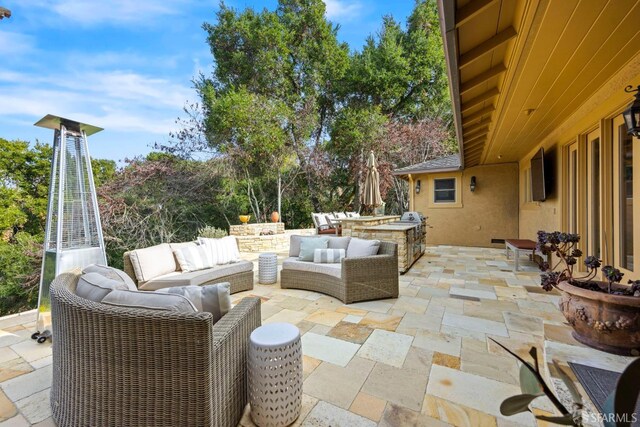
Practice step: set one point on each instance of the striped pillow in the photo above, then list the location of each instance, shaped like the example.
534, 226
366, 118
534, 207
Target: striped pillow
192, 257
214, 299
328, 256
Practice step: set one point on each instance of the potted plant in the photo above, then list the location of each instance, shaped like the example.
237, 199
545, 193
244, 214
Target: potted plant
604, 314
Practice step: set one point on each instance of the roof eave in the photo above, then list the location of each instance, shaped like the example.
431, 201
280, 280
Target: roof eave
447, 12
403, 174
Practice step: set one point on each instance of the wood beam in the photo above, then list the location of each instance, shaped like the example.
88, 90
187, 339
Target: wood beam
477, 131
474, 150
478, 99
471, 9
475, 142
473, 139
482, 77
479, 114
473, 127
486, 46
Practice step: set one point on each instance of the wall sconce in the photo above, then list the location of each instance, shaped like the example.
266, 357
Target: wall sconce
418, 187
472, 186
632, 113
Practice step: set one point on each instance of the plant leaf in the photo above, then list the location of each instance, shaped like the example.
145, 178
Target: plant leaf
516, 404
565, 420
529, 383
622, 400
575, 394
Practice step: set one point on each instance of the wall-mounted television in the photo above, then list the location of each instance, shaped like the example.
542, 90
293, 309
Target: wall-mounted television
538, 187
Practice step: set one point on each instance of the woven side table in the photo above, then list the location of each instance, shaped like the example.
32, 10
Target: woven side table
267, 268
275, 375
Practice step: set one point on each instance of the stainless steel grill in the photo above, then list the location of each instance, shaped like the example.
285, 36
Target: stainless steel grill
416, 236
73, 237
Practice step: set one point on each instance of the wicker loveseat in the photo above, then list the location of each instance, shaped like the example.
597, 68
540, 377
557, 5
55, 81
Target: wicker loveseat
117, 366
354, 279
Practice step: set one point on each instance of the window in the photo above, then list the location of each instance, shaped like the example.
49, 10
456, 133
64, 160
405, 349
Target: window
626, 198
526, 179
444, 190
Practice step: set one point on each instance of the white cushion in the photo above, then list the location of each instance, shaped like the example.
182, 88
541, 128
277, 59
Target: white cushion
361, 247
320, 219
339, 242
149, 300
197, 278
334, 270
193, 257
174, 247
152, 262
113, 274
328, 256
223, 251
214, 299
95, 286
340, 215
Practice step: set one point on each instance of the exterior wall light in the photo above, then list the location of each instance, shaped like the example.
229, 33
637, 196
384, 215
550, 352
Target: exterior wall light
472, 186
632, 113
418, 187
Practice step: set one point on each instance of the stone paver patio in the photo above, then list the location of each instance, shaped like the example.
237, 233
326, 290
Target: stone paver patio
422, 359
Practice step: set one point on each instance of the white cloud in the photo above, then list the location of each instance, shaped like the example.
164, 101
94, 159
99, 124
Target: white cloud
88, 12
342, 9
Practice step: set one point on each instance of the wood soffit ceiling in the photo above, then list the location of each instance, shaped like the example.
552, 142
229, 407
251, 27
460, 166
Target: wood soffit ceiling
523, 66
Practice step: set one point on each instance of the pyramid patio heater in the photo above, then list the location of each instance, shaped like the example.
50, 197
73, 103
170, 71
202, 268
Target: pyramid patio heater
73, 236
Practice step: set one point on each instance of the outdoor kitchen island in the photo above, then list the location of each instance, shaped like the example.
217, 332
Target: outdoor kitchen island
409, 232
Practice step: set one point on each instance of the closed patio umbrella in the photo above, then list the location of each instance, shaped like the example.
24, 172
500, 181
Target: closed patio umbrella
371, 194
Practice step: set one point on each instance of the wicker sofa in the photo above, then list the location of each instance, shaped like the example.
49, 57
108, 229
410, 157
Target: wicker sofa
117, 366
238, 274
354, 279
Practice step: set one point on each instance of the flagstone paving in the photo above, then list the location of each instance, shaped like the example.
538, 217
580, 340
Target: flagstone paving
423, 359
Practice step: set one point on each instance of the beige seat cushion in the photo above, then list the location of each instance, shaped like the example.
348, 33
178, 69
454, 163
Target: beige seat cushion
149, 263
292, 263
150, 300
197, 278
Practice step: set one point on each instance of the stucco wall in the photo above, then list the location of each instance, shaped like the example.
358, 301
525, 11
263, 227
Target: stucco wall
490, 212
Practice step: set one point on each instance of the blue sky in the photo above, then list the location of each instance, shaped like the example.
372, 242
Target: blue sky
125, 65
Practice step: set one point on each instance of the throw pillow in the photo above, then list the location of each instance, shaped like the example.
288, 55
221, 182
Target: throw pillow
361, 247
150, 301
308, 245
294, 244
214, 299
224, 250
328, 256
212, 248
94, 286
339, 242
193, 257
113, 274
152, 262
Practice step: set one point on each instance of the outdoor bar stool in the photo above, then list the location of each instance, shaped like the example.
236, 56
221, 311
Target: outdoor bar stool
275, 374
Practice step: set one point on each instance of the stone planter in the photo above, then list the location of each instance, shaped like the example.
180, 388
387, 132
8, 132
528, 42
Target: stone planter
607, 322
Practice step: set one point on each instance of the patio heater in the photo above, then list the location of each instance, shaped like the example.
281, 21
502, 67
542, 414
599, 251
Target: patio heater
73, 235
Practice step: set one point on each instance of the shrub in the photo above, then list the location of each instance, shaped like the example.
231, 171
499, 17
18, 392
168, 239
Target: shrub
212, 232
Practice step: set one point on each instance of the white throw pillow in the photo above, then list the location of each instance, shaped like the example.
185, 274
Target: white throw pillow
214, 299
151, 262
193, 257
113, 274
228, 250
95, 286
212, 248
361, 247
328, 256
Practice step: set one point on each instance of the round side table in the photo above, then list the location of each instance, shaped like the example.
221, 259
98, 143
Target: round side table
275, 374
267, 268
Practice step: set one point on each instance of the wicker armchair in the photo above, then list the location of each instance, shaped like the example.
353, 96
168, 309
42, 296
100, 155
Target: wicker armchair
362, 279
116, 366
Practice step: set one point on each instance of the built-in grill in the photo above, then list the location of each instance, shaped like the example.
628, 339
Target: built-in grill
416, 236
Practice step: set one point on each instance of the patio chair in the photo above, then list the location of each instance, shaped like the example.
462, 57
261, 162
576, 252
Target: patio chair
121, 366
353, 214
321, 224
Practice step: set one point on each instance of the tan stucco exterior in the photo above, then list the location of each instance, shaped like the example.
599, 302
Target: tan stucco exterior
490, 212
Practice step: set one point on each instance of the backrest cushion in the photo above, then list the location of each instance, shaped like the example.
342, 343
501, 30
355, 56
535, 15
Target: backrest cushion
362, 247
308, 245
340, 214
223, 251
193, 257
215, 299
95, 286
111, 273
319, 219
328, 256
339, 242
149, 300
294, 243
174, 247
152, 262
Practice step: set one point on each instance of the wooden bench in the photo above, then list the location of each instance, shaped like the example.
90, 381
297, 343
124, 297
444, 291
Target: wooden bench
517, 245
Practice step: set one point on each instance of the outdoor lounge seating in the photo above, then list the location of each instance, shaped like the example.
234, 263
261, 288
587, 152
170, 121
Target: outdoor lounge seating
141, 367
162, 271
352, 280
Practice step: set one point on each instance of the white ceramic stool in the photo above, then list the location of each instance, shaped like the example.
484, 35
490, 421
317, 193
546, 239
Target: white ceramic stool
267, 268
275, 374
